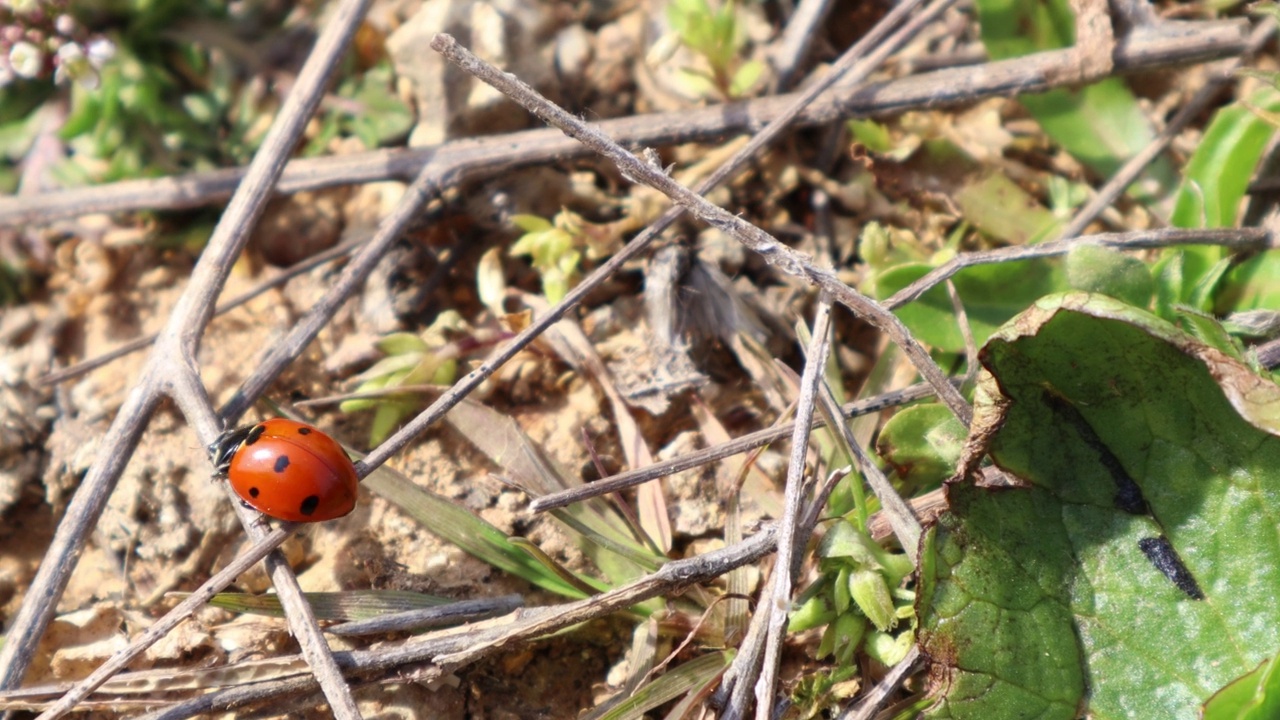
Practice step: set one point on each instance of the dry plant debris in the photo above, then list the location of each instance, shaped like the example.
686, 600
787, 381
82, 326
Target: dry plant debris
736, 318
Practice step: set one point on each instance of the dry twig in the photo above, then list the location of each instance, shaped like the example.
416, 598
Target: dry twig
1168, 45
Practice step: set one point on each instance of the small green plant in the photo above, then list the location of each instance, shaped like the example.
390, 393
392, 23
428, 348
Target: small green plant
716, 35
411, 361
174, 96
858, 598
555, 248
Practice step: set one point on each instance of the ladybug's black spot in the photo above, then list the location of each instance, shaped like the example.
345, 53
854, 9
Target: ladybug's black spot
304, 431
253, 492
309, 505
254, 434
282, 463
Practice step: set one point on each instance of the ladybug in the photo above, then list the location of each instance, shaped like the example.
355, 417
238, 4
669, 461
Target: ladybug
288, 470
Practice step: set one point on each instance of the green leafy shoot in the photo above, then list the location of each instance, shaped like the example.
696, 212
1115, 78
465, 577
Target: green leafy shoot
858, 598
715, 35
411, 362
375, 114
820, 693
556, 248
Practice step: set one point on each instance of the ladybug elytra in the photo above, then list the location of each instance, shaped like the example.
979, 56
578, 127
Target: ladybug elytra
287, 470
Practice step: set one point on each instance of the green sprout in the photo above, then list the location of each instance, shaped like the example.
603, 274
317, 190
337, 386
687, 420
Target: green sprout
716, 35
555, 248
411, 361
858, 599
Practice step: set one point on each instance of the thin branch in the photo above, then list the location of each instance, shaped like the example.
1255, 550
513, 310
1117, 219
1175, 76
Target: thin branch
796, 41
790, 536
1172, 44
302, 620
352, 278
455, 648
870, 704
1235, 238
171, 619
418, 619
906, 527
354, 274
870, 50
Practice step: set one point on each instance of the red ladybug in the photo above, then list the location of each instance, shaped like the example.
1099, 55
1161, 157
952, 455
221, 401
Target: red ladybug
288, 470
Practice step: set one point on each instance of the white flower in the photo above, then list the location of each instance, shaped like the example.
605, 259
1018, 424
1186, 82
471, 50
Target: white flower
65, 25
25, 59
6, 75
100, 51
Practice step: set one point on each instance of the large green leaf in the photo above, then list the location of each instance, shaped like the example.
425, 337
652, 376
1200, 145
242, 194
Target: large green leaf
1135, 573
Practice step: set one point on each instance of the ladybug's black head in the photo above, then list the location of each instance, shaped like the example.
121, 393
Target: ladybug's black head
225, 447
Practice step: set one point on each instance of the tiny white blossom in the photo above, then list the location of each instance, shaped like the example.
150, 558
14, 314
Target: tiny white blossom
65, 25
25, 59
6, 75
101, 50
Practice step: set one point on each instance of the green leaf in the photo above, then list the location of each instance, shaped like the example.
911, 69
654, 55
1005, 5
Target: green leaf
745, 78
1102, 270
1252, 285
1000, 208
1253, 696
1216, 179
922, 444
351, 605
457, 525
531, 223
811, 613
1218, 174
869, 590
401, 343
1209, 331
604, 534
842, 637
1151, 473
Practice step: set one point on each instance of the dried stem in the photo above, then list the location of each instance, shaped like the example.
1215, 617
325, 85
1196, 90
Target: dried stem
451, 649
775, 253
791, 538
870, 704
1170, 45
